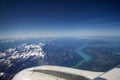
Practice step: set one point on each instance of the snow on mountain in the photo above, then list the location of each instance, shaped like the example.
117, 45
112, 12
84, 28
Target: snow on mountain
2, 54
10, 50
1, 74
23, 51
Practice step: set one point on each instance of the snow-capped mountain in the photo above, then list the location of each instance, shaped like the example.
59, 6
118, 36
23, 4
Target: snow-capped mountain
14, 59
23, 52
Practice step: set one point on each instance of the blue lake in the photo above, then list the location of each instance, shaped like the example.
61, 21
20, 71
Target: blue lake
85, 56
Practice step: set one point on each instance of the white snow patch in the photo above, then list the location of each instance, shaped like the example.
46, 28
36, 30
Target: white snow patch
2, 54
2, 73
2, 60
11, 50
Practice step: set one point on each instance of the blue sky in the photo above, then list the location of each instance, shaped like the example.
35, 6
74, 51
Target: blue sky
59, 18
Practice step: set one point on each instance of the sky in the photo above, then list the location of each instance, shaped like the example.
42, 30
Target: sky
59, 18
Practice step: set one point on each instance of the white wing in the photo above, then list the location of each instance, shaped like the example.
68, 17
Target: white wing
64, 73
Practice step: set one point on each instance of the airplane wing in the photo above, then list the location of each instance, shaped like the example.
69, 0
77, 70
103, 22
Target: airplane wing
64, 73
